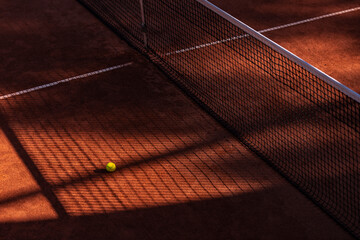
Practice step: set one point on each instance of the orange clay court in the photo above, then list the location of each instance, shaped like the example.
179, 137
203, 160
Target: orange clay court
195, 158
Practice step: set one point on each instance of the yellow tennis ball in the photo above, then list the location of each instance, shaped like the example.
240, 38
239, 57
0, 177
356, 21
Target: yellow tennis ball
110, 167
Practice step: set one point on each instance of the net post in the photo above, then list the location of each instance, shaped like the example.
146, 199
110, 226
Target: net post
143, 23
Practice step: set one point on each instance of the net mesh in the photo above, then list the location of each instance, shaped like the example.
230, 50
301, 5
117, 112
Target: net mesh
304, 127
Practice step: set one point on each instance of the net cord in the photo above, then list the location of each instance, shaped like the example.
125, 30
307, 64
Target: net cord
323, 76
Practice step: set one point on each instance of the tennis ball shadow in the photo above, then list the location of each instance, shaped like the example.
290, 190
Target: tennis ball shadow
101, 170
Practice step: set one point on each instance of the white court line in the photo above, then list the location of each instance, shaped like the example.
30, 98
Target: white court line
63, 81
263, 31
311, 19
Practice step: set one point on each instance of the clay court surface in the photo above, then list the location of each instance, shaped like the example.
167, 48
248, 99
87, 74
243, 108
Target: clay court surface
180, 174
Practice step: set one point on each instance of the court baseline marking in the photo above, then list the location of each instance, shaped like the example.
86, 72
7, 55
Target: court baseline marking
64, 81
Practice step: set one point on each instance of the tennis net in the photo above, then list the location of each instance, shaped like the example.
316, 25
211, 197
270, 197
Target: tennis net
301, 121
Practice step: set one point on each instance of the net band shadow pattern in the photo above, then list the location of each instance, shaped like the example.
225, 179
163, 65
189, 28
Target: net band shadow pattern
299, 120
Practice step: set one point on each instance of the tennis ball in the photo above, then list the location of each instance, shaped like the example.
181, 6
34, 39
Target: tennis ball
110, 167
